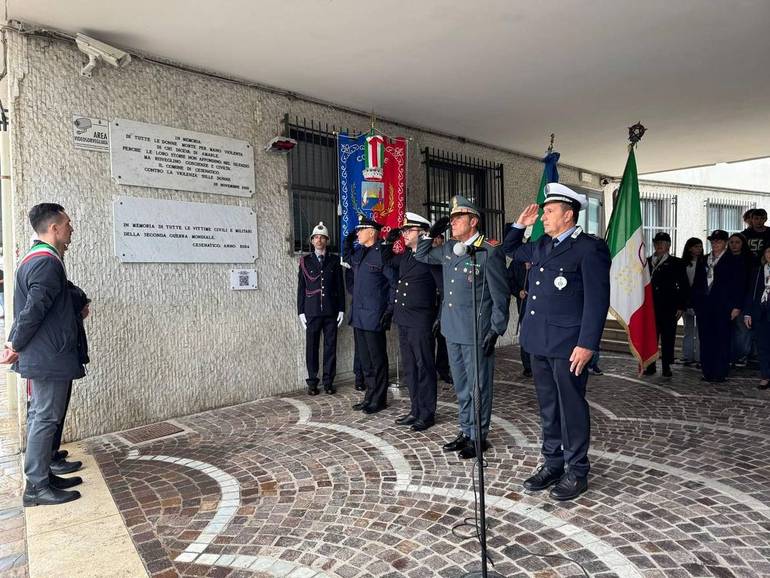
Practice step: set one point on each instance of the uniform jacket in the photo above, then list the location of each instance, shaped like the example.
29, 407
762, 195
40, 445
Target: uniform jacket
45, 330
374, 287
490, 283
417, 300
555, 320
753, 305
727, 290
320, 293
670, 286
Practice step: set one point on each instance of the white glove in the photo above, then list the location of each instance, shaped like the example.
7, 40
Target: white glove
340, 317
303, 320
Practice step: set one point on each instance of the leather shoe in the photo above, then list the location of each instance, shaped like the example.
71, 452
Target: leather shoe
360, 387
330, 389
469, 451
59, 455
65, 467
543, 478
63, 483
312, 390
370, 409
47, 496
456, 444
667, 372
358, 406
407, 419
422, 425
569, 487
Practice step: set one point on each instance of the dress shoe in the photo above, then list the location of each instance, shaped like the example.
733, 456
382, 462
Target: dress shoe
47, 496
763, 384
59, 455
370, 409
360, 387
456, 444
447, 379
358, 406
569, 487
65, 467
64, 483
526, 373
408, 419
330, 389
667, 372
543, 478
422, 425
312, 390
469, 451
651, 369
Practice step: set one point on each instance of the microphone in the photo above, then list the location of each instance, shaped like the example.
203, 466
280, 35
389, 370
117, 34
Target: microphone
461, 249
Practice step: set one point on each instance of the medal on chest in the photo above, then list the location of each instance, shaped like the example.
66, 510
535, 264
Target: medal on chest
560, 282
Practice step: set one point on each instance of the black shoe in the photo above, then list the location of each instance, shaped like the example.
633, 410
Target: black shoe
408, 419
312, 390
598, 371
370, 409
47, 496
360, 387
667, 372
763, 384
64, 483
469, 451
526, 373
651, 370
330, 389
59, 455
420, 425
65, 467
543, 478
447, 379
569, 487
358, 406
456, 444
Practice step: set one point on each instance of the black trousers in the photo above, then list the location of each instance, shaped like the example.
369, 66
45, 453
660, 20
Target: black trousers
442, 358
526, 361
714, 335
564, 413
417, 347
373, 353
665, 323
358, 370
316, 326
60, 428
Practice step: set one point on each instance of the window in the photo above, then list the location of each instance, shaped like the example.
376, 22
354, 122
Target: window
481, 182
658, 215
313, 181
726, 215
591, 219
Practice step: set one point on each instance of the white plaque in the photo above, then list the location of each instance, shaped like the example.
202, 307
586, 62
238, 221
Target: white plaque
243, 279
150, 155
90, 133
158, 231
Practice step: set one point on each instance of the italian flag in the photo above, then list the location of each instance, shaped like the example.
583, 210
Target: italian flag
630, 288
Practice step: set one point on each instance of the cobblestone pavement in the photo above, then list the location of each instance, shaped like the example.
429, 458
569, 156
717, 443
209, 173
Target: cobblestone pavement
303, 486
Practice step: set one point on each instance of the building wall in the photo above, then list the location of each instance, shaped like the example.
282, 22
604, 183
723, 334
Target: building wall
173, 339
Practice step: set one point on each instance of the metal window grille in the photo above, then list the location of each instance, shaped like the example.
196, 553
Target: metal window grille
726, 215
479, 181
313, 184
658, 215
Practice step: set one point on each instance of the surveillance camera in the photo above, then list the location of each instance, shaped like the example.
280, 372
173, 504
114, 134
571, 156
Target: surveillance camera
97, 51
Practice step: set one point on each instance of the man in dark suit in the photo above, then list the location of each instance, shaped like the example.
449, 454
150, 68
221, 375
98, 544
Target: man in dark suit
371, 310
320, 306
518, 274
567, 303
670, 289
415, 311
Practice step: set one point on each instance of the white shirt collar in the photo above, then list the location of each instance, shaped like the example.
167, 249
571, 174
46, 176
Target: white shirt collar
470, 241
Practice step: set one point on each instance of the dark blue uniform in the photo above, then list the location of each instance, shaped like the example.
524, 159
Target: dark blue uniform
374, 288
759, 312
569, 295
415, 308
321, 297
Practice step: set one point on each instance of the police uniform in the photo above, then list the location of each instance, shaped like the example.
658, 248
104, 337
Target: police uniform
569, 293
490, 284
415, 309
321, 299
371, 312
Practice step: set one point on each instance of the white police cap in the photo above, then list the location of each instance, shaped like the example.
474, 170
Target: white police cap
415, 220
320, 229
558, 192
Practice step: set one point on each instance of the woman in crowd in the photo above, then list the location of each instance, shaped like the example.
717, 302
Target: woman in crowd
757, 315
717, 297
692, 257
740, 345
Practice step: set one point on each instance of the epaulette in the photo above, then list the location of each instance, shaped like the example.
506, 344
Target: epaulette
492, 242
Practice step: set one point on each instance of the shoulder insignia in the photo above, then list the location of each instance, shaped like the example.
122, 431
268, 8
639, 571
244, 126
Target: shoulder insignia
493, 242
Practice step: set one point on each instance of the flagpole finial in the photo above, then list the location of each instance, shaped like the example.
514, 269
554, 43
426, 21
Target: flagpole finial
635, 133
550, 146
372, 119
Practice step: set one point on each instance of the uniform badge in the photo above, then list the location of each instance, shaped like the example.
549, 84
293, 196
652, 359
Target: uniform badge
560, 282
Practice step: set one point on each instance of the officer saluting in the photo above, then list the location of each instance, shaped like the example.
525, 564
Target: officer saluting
490, 283
569, 295
415, 311
320, 306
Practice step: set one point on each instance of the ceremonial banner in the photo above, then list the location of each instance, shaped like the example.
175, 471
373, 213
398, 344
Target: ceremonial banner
550, 175
372, 181
630, 288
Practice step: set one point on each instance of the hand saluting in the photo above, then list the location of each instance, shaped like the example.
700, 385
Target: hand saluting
528, 216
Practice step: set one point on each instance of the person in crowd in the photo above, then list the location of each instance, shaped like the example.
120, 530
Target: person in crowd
718, 290
741, 339
44, 345
442, 357
747, 218
415, 311
371, 310
461, 280
757, 235
567, 304
757, 314
517, 279
669, 294
321, 308
358, 372
692, 255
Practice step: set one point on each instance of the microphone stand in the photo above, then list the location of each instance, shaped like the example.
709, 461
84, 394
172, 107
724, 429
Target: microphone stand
483, 573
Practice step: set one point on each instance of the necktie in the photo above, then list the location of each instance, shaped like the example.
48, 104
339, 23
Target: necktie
321, 260
550, 246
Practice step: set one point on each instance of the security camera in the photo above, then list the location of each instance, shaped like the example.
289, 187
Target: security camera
96, 51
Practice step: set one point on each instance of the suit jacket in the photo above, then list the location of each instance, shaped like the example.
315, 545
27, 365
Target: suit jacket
727, 290
670, 286
417, 300
556, 320
490, 284
374, 288
752, 304
320, 292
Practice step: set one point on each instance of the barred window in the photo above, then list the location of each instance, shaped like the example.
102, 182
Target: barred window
479, 181
726, 215
658, 215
